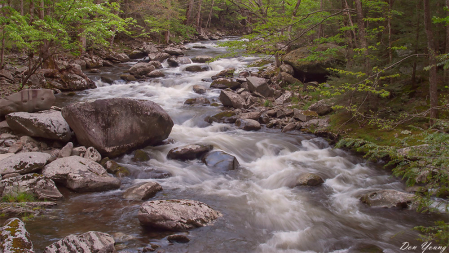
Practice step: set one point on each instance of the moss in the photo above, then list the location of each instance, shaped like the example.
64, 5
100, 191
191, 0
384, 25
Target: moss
259, 63
215, 104
141, 156
122, 172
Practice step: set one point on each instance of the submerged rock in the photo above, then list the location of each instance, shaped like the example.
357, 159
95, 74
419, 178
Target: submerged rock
142, 191
248, 124
199, 89
140, 156
189, 152
177, 215
309, 179
15, 238
220, 160
178, 238
91, 241
24, 162
388, 199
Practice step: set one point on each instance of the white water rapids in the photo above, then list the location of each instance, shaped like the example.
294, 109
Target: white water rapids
262, 211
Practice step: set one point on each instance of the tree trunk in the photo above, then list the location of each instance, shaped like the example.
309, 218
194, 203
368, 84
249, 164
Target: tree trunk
167, 37
41, 10
21, 7
446, 71
362, 33
320, 30
189, 11
31, 11
198, 15
418, 22
390, 51
289, 29
433, 92
210, 14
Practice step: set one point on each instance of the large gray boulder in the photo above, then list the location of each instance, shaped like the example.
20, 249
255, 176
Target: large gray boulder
388, 199
118, 125
141, 68
75, 81
142, 191
80, 175
231, 99
224, 83
189, 152
27, 101
23, 163
321, 107
177, 215
15, 238
40, 187
89, 242
221, 161
46, 124
260, 85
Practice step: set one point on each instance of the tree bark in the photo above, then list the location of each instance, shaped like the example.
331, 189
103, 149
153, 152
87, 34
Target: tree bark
210, 14
362, 33
21, 7
418, 22
189, 11
446, 71
31, 11
41, 10
433, 88
289, 29
198, 15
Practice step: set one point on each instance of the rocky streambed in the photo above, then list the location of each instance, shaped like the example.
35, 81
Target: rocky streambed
202, 157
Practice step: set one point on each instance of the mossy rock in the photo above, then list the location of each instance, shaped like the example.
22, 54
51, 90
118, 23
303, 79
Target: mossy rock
215, 104
114, 168
259, 63
122, 172
141, 156
222, 117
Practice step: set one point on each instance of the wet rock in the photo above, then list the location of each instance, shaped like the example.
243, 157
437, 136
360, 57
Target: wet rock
114, 168
156, 73
189, 152
309, 179
365, 248
176, 62
387, 199
287, 69
46, 124
27, 101
160, 57
142, 191
66, 151
80, 175
38, 186
225, 117
128, 78
197, 101
224, 83
92, 154
220, 160
224, 73
248, 124
178, 238
199, 89
321, 107
24, 162
304, 116
260, 85
141, 69
174, 51
289, 127
284, 98
93, 62
15, 238
91, 241
140, 156
196, 68
116, 126
79, 151
250, 115
137, 54
176, 215
202, 58
231, 99
156, 64
107, 79
14, 209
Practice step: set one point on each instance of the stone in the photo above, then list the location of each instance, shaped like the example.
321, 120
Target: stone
189, 152
199, 89
140, 156
80, 175
93, 62
202, 58
142, 191
40, 187
79, 151
260, 85
289, 127
137, 54
387, 199
27, 101
231, 99
196, 68
176, 215
149, 48
309, 179
158, 56
141, 69
75, 81
174, 51
91, 241
46, 124
304, 116
156, 64
107, 79
250, 115
287, 69
178, 238
224, 83
177, 61
284, 98
225, 117
14, 209
248, 124
127, 77
229, 72
197, 101
66, 151
7, 74
221, 161
288, 79
114, 168
156, 73
118, 125
15, 238
24, 162
321, 107
92, 154
316, 124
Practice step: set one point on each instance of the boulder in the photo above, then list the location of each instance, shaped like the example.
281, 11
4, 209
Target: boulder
316, 124
290, 127
80, 175
118, 57
114, 168
304, 116
248, 124
118, 125
91, 241
229, 72
197, 101
174, 51
24, 163
316, 69
149, 48
141, 68
160, 57
66, 151
284, 98
287, 69
199, 89
231, 99
93, 62
189, 152
6, 74
388, 199
156, 73
156, 64
46, 124
92, 154
250, 115
288, 79
27, 101
40, 187
128, 78
15, 238
196, 68
321, 107
260, 85
14, 209
202, 58
224, 83
221, 161
140, 156
177, 215
309, 179
137, 54
176, 61
225, 117
107, 79
142, 191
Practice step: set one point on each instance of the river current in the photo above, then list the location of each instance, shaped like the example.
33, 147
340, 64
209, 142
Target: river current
262, 211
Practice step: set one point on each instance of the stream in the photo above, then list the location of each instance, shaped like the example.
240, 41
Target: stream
262, 211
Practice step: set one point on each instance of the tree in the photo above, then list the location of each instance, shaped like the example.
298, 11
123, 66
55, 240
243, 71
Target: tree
433, 88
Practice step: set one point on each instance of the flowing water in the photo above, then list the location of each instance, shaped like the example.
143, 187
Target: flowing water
262, 212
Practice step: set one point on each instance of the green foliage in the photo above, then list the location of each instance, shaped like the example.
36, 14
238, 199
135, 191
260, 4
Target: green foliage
267, 103
18, 197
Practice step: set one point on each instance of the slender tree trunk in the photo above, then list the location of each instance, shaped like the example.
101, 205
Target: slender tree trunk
189, 11
390, 51
41, 10
362, 33
418, 22
198, 15
210, 14
320, 30
2, 53
433, 92
446, 71
31, 11
21, 8
289, 29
